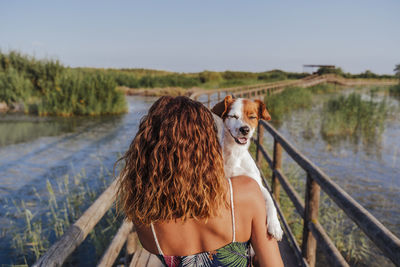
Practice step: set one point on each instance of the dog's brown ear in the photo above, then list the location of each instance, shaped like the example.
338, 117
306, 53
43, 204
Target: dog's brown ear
221, 107
262, 110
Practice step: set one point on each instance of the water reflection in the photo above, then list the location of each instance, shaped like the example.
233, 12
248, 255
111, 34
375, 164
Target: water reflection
16, 129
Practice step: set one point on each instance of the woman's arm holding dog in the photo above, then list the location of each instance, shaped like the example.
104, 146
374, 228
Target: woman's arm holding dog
265, 246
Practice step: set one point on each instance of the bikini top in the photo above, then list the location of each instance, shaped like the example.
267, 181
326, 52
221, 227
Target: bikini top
232, 254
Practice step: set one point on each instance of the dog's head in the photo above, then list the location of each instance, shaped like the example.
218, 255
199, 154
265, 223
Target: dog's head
241, 116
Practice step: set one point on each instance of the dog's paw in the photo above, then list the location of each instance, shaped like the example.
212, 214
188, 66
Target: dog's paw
274, 229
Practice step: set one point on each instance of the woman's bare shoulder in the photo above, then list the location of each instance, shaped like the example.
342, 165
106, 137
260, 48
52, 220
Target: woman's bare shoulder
246, 189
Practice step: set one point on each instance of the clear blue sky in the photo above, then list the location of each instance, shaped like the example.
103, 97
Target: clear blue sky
188, 36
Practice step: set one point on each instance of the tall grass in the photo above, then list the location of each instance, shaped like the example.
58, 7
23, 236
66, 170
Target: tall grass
45, 87
395, 90
63, 203
288, 100
353, 116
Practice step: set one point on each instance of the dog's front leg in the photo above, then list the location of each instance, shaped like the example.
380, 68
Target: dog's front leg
273, 225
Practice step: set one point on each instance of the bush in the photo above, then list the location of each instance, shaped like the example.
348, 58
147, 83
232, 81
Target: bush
45, 87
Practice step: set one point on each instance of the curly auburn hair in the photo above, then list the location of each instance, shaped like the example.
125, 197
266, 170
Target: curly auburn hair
173, 167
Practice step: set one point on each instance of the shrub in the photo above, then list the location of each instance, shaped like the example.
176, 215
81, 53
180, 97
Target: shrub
45, 87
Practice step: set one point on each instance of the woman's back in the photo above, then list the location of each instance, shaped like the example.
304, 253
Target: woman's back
217, 241
173, 182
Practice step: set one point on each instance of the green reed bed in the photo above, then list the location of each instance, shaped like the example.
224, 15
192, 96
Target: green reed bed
353, 116
45, 87
395, 90
62, 204
288, 100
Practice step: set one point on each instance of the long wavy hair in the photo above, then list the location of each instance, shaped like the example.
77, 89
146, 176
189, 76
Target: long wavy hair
173, 167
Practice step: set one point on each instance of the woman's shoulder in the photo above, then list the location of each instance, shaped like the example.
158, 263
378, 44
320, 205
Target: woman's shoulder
246, 189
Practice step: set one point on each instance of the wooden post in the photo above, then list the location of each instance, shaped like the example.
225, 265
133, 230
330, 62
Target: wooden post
112, 252
276, 164
309, 245
260, 138
209, 101
131, 246
219, 95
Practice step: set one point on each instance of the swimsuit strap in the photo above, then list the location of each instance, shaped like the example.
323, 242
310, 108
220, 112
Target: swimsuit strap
233, 212
156, 240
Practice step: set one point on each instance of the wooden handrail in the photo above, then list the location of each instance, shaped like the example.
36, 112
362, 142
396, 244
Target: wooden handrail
386, 241
116, 245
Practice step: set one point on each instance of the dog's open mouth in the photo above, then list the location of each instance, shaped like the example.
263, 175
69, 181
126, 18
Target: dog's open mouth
240, 140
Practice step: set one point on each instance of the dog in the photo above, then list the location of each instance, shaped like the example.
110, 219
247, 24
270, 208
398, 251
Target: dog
236, 121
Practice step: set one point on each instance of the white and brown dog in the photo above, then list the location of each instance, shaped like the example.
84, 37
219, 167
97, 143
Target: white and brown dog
236, 122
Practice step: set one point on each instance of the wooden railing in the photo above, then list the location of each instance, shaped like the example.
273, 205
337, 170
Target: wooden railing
275, 87
313, 232
316, 179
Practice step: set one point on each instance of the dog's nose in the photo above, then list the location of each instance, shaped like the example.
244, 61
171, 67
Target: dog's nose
244, 130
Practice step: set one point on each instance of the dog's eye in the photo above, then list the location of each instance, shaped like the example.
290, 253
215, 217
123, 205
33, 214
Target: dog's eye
234, 116
252, 117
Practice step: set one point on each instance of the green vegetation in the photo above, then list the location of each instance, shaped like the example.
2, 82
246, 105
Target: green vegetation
206, 79
352, 116
394, 90
45, 87
288, 100
364, 75
64, 203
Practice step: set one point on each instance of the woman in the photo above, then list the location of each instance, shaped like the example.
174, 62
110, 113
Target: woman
174, 190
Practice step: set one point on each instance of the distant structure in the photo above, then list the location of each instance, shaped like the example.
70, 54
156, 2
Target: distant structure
311, 67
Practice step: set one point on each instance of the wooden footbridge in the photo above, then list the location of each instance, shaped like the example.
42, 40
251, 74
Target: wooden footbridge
293, 254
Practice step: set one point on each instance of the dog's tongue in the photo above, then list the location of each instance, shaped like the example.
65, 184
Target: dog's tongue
242, 140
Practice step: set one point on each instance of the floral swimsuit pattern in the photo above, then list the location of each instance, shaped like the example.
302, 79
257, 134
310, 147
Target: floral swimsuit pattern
233, 254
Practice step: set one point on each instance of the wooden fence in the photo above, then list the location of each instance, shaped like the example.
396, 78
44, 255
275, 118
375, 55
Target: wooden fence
313, 232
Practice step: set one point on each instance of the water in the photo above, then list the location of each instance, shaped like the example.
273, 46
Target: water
34, 150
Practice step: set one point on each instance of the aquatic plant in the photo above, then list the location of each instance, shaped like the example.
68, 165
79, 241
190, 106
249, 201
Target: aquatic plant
288, 100
352, 116
395, 90
63, 204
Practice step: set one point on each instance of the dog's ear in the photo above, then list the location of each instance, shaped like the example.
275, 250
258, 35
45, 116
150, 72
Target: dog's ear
262, 110
221, 107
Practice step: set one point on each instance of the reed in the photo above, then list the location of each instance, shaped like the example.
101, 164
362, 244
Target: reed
45, 87
395, 90
290, 99
353, 117
63, 204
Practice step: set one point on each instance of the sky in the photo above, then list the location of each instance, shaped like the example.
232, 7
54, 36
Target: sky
219, 35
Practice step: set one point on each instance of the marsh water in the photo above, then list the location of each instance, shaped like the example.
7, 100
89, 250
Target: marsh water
35, 150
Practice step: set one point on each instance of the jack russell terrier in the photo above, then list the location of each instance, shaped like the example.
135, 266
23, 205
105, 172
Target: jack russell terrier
236, 120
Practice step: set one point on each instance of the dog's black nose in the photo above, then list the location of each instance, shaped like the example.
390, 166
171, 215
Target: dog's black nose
244, 130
